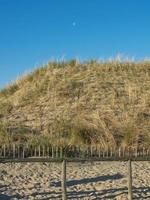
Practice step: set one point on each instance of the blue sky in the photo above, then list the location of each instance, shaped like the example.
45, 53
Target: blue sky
35, 31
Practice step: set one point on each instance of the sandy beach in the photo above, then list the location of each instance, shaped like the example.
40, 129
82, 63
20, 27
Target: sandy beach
99, 180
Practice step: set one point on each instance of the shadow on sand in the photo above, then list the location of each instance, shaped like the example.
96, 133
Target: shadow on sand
89, 180
138, 193
108, 194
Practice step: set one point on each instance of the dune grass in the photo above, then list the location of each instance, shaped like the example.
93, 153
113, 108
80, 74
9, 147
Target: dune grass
70, 103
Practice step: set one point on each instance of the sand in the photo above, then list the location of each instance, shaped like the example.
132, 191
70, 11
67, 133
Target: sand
99, 180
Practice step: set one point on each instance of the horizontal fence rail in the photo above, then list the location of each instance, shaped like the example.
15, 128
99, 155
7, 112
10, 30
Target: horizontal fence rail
72, 153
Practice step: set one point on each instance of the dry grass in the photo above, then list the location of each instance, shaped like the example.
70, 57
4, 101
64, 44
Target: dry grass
71, 103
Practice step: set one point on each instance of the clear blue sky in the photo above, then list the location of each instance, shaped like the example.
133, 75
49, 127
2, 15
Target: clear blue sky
35, 31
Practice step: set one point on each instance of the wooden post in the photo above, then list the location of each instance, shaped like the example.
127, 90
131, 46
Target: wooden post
27, 149
4, 148
99, 152
111, 153
64, 188
52, 152
119, 152
147, 153
79, 152
107, 152
136, 154
9, 150
0, 151
23, 152
35, 151
103, 153
56, 151
39, 151
48, 151
143, 151
43, 151
18, 151
91, 150
87, 152
130, 195
14, 149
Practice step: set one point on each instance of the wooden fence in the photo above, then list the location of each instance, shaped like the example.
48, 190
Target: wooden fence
26, 153
72, 152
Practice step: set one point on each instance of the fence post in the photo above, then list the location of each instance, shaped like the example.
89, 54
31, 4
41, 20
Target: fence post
48, 152
39, 151
43, 151
61, 152
147, 153
130, 195
119, 152
53, 152
14, 149
4, 148
111, 152
56, 151
23, 152
99, 152
35, 151
103, 153
18, 151
91, 151
143, 151
136, 153
64, 188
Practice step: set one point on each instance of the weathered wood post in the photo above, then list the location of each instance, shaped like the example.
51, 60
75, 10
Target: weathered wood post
130, 195
143, 151
103, 153
91, 151
64, 187
1, 151
61, 152
39, 151
99, 152
53, 152
48, 152
43, 151
18, 151
119, 152
4, 150
14, 149
35, 151
136, 152
57, 151
23, 152
147, 153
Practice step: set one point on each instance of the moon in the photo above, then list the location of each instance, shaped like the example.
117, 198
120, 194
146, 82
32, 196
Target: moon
74, 24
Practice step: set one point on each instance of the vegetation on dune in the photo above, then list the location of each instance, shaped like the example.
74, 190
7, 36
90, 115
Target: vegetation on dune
69, 103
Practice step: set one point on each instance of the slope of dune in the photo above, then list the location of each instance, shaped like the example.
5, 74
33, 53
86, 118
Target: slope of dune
77, 103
